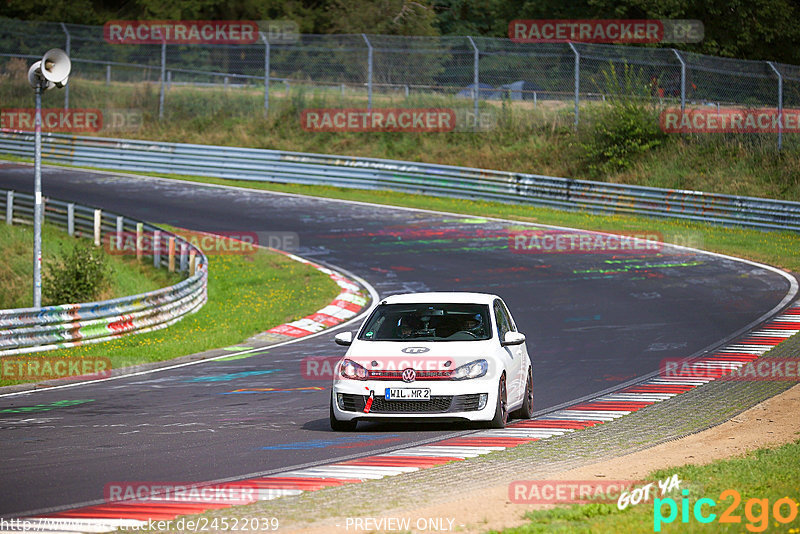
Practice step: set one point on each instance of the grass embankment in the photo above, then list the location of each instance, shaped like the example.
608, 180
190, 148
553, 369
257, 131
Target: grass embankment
608, 147
247, 294
128, 277
767, 475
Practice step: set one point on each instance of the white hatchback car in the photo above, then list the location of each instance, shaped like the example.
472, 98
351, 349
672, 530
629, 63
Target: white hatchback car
434, 356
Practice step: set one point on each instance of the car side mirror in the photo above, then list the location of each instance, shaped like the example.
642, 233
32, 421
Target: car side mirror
344, 339
513, 338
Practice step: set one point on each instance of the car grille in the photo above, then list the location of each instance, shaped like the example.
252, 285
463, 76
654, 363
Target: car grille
437, 404
398, 375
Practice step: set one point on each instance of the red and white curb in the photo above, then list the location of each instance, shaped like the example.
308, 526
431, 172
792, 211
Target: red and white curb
345, 306
110, 516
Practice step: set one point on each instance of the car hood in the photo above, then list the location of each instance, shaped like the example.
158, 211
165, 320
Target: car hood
399, 355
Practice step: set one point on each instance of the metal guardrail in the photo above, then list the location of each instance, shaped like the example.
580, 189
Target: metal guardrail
27, 330
423, 178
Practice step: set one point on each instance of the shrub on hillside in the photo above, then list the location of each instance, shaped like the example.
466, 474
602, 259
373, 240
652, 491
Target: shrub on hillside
77, 275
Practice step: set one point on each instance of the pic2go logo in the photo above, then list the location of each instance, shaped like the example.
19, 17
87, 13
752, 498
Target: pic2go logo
756, 511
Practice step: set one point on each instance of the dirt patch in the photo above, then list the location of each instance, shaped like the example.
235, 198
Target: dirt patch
773, 422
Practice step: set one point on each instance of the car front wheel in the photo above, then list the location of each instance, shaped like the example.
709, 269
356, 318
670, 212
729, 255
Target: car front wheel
526, 410
501, 410
341, 426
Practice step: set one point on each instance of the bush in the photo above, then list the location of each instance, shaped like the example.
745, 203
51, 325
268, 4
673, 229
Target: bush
78, 275
626, 127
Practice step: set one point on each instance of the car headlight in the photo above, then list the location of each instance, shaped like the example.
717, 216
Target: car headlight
352, 370
469, 370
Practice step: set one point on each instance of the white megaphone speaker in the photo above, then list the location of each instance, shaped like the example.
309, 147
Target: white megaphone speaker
56, 66
35, 77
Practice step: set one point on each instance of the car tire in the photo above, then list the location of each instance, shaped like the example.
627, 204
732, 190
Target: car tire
501, 408
341, 426
526, 410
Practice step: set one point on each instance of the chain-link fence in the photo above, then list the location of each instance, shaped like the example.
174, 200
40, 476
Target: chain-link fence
565, 76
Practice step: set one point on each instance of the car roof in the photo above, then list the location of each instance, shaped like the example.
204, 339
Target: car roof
434, 297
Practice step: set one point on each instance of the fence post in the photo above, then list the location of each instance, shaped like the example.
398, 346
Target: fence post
163, 79
780, 104
67, 50
139, 238
71, 219
683, 79
120, 226
369, 71
98, 219
192, 265
475, 79
108, 73
171, 252
9, 207
266, 73
577, 80
184, 250
157, 248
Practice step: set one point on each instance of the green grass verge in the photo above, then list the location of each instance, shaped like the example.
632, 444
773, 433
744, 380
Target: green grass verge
247, 294
128, 277
770, 474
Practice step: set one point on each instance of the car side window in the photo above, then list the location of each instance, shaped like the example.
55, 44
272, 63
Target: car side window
501, 318
510, 319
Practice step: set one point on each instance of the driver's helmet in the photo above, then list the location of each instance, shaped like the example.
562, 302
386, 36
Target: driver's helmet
407, 325
474, 324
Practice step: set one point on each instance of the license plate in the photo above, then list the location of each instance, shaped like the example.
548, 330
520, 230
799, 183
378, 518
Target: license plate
420, 394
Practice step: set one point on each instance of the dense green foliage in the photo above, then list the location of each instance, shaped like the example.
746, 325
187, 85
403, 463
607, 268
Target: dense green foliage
77, 275
750, 29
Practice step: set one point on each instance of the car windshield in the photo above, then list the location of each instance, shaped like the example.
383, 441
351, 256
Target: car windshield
428, 322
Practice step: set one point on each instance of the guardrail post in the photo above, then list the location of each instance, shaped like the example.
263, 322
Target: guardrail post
9, 207
369, 71
120, 226
266, 72
67, 49
71, 219
169, 79
139, 238
476, 91
683, 79
163, 79
157, 249
108, 73
171, 254
184, 250
577, 80
780, 104
192, 265
98, 219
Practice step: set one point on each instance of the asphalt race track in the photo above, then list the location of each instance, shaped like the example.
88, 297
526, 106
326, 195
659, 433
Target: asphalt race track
592, 321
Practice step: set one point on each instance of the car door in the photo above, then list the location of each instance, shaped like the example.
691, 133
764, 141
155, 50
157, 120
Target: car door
512, 354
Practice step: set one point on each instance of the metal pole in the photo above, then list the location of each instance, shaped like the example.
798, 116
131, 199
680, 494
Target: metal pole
163, 79
683, 79
475, 79
369, 72
37, 203
69, 46
9, 207
780, 104
266, 73
108, 73
577, 80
